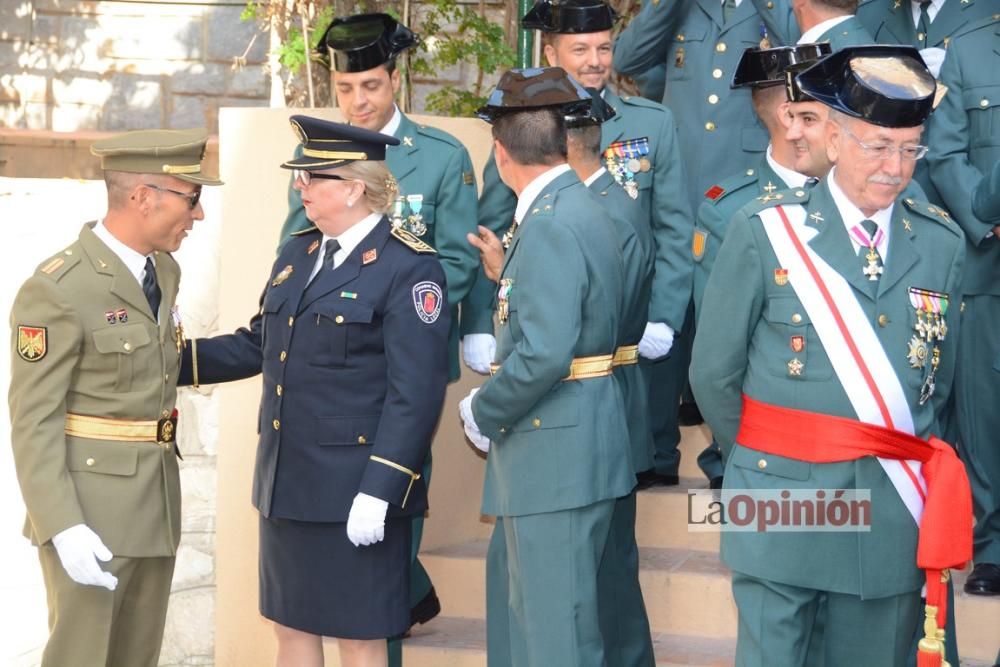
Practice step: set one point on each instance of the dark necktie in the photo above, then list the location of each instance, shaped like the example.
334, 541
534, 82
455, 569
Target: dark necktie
151, 288
728, 7
924, 24
811, 182
331, 248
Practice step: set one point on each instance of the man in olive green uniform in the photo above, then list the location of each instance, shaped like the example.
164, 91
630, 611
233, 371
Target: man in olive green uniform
551, 416
436, 202
642, 153
963, 148
809, 326
96, 349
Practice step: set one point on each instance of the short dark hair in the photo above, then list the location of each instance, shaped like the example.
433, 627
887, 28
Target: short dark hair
588, 138
846, 6
536, 137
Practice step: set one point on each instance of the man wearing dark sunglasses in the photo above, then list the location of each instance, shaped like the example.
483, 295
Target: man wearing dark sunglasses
97, 342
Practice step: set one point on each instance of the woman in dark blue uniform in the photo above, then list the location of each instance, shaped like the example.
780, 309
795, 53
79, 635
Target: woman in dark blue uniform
352, 340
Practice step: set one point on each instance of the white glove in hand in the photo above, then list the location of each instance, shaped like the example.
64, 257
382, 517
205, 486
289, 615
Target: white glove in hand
366, 522
933, 58
656, 341
79, 549
481, 442
478, 351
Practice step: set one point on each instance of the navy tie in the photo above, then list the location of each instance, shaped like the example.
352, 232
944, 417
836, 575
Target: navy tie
151, 288
332, 246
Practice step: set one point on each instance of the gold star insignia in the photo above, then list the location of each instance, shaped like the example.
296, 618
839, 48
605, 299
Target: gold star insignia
795, 367
407, 141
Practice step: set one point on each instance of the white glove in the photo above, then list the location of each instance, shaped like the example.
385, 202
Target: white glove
79, 549
478, 351
481, 442
656, 341
933, 58
366, 522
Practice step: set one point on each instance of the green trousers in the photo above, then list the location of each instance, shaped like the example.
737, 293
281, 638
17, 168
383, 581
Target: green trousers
547, 614
90, 625
801, 627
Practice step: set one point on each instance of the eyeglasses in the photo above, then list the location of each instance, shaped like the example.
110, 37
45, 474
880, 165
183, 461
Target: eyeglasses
886, 151
305, 176
192, 197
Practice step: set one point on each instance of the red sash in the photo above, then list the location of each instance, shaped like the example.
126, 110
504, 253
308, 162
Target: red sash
945, 531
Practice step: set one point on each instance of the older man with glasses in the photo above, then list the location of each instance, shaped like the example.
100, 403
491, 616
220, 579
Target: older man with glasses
822, 360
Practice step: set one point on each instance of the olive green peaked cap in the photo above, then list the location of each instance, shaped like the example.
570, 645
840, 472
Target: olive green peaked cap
177, 153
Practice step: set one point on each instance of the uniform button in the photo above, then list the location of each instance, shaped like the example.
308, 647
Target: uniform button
279, 389
716, 73
291, 320
91, 462
166, 377
883, 320
127, 346
721, 47
796, 318
713, 99
276, 424
339, 319
680, 38
984, 102
69, 252
503, 429
920, 36
536, 422
710, 126
762, 464
361, 440
282, 356
770, 5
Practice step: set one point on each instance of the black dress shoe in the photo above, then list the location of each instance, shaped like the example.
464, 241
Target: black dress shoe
984, 580
689, 415
715, 483
428, 607
649, 478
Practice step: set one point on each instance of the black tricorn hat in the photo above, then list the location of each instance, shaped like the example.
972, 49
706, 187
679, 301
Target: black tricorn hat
887, 85
364, 41
532, 89
569, 16
766, 67
596, 113
326, 144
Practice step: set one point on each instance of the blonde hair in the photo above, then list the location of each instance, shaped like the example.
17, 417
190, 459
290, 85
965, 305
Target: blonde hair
380, 185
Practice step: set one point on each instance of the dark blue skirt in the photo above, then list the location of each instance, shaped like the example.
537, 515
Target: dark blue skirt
314, 580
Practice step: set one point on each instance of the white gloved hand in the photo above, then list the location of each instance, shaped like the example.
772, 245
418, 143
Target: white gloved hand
478, 351
933, 58
79, 549
481, 442
366, 521
656, 341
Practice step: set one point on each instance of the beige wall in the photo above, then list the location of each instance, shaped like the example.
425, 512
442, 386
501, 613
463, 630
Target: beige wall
253, 142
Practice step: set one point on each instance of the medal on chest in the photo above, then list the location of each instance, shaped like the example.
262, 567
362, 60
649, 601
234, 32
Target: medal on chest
625, 159
503, 299
923, 347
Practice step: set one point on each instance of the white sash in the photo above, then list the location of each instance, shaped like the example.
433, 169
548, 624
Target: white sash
854, 349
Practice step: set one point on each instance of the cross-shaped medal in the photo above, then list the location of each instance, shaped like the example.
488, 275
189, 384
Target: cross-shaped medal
873, 270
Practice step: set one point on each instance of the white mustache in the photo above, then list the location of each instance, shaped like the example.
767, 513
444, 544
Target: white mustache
885, 179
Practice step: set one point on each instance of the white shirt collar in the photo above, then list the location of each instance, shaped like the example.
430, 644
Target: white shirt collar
134, 261
394, 122
932, 11
852, 215
535, 188
792, 178
738, 2
349, 240
593, 177
813, 34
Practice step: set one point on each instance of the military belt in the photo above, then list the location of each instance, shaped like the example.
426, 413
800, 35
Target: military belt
582, 368
626, 355
160, 431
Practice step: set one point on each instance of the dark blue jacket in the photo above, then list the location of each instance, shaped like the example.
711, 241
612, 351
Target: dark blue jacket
355, 367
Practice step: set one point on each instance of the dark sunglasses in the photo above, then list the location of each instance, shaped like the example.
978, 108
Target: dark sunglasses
305, 176
192, 197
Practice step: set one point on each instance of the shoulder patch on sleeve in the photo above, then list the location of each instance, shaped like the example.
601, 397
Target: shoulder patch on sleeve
698, 244
32, 342
411, 241
427, 299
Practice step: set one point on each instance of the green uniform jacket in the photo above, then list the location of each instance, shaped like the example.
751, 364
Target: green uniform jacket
105, 356
636, 243
891, 22
986, 196
964, 138
742, 346
556, 444
434, 164
717, 126
660, 196
847, 33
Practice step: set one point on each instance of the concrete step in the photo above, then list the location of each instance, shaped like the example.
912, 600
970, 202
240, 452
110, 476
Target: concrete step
687, 593
662, 518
